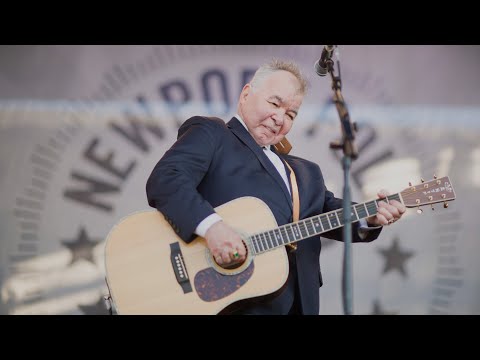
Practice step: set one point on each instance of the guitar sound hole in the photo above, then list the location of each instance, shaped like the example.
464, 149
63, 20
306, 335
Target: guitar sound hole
232, 265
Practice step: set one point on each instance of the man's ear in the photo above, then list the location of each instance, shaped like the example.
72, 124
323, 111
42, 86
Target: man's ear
283, 147
245, 91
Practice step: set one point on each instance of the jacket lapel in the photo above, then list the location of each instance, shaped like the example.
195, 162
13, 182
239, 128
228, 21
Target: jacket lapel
244, 136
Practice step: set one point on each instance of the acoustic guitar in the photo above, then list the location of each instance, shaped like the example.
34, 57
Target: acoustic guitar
150, 270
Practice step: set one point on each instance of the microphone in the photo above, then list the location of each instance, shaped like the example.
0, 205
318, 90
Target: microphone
321, 64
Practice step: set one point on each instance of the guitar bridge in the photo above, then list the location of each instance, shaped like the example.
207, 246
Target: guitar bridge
178, 266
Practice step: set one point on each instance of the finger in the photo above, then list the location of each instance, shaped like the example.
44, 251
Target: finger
383, 193
226, 257
242, 251
401, 208
390, 208
234, 255
382, 219
219, 260
385, 213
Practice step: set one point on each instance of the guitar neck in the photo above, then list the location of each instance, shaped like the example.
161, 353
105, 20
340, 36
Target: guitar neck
315, 225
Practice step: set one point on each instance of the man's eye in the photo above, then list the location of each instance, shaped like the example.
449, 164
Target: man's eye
274, 104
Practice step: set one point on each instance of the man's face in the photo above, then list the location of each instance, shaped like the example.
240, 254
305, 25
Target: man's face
269, 109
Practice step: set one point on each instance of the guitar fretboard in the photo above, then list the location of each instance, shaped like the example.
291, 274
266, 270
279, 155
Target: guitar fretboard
315, 225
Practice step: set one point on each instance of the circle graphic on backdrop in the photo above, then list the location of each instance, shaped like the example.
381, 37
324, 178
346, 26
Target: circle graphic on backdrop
90, 170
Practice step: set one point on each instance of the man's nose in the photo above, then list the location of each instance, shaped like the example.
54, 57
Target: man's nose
279, 117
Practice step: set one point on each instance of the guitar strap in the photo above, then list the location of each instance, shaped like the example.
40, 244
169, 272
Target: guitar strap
296, 202
284, 147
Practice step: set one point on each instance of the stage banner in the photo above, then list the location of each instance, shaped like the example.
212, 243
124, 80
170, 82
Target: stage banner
81, 128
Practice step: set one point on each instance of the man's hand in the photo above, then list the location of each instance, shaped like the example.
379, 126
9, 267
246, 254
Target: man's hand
387, 213
224, 243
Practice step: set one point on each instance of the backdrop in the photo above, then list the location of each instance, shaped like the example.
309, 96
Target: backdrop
81, 128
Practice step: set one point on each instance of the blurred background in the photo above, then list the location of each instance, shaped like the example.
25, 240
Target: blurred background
82, 126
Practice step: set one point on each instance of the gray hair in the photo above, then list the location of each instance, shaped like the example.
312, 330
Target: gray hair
278, 65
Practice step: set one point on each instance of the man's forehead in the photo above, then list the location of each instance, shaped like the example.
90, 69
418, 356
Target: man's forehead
286, 99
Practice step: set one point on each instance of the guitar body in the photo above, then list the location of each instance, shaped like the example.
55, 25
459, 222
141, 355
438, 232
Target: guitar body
150, 270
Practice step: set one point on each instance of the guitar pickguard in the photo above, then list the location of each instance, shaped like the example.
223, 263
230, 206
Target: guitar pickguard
212, 286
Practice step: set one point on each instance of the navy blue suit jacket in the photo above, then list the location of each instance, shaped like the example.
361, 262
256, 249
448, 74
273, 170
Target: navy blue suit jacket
213, 162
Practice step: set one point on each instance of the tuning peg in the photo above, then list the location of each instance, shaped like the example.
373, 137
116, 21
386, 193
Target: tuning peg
421, 179
445, 205
419, 211
434, 176
409, 183
432, 207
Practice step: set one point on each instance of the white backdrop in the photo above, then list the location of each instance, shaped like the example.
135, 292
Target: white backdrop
72, 163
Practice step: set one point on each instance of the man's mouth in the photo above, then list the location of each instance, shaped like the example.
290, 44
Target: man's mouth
273, 131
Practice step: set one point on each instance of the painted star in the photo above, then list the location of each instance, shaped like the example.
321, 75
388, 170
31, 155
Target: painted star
97, 308
395, 258
378, 310
81, 247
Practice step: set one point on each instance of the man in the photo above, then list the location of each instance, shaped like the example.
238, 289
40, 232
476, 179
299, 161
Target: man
213, 162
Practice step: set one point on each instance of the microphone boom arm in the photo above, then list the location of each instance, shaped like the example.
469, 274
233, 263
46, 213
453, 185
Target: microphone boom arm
348, 129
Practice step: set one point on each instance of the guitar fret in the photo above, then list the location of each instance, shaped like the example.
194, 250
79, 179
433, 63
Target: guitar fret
329, 223
259, 239
394, 197
259, 244
325, 223
251, 245
340, 216
283, 231
270, 238
303, 229
333, 221
289, 232
317, 225
309, 227
255, 244
356, 214
353, 215
361, 210
336, 214
296, 231
264, 241
366, 210
371, 208
278, 237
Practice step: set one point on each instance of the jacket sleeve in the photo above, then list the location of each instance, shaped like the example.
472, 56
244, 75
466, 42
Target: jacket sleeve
172, 186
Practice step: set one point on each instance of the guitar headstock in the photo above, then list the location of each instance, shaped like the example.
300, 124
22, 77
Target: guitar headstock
429, 192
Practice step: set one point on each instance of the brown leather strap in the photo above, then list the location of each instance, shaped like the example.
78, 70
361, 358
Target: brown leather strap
283, 147
296, 202
296, 198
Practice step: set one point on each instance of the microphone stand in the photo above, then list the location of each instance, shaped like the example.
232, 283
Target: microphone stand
350, 153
